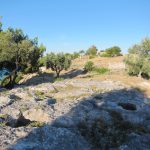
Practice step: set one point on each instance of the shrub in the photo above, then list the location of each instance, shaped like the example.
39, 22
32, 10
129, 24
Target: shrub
111, 52
59, 79
92, 51
75, 55
101, 70
104, 54
37, 124
39, 94
91, 57
89, 66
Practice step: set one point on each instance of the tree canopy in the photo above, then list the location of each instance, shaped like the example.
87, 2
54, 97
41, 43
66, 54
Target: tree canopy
17, 48
138, 59
111, 52
92, 51
57, 62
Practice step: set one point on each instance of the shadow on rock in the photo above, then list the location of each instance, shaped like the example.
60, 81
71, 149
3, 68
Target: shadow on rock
73, 73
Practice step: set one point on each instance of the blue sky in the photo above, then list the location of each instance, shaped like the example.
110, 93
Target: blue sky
72, 25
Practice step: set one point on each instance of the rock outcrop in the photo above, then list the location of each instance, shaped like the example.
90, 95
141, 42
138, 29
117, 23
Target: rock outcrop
87, 115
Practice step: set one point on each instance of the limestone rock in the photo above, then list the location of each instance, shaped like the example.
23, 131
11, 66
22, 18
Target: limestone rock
36, 115
51, 138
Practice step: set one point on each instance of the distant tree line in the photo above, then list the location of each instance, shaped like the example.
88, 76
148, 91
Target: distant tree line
93, 51
111, 52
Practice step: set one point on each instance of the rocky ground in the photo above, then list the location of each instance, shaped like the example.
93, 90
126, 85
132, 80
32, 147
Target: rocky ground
79, 113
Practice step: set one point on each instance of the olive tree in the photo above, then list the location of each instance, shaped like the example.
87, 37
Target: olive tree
113, 51
92, 51
138, 59
57, 62
18, 49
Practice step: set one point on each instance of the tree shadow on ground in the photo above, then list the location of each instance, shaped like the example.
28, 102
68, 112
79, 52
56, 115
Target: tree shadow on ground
39, 79
73, 73
50, 77
102, 121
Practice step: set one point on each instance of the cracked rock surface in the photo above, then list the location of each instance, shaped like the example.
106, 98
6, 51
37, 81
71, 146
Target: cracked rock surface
74, 115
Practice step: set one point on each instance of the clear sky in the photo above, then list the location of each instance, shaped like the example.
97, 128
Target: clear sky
72, 25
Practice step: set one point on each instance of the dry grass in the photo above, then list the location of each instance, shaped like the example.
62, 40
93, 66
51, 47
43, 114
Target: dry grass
98, 61
115, 75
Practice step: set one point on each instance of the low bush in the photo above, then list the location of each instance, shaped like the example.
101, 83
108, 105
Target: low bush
89, 66
91, 57
112, 52
37, 124
59, 79
40, 95
101, 70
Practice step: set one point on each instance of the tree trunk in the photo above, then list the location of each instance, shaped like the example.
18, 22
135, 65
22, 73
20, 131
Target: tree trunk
57, 74
140, 74
14, 78
17, 65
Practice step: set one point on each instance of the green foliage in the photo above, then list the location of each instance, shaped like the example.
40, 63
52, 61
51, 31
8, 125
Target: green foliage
68, 55
75, 55
2, 124
3, 116
101, 70
5, 81
37, 124
17, 48
104, 54
89, 66
57, 62
19, 77
21, 52
92, 51
138, 59
59, 79
42, 61
91, 57
0, 24
39, 94
112, 52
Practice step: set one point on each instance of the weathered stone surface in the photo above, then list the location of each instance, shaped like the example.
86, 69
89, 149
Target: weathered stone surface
82, 115
36, 115
51, 138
